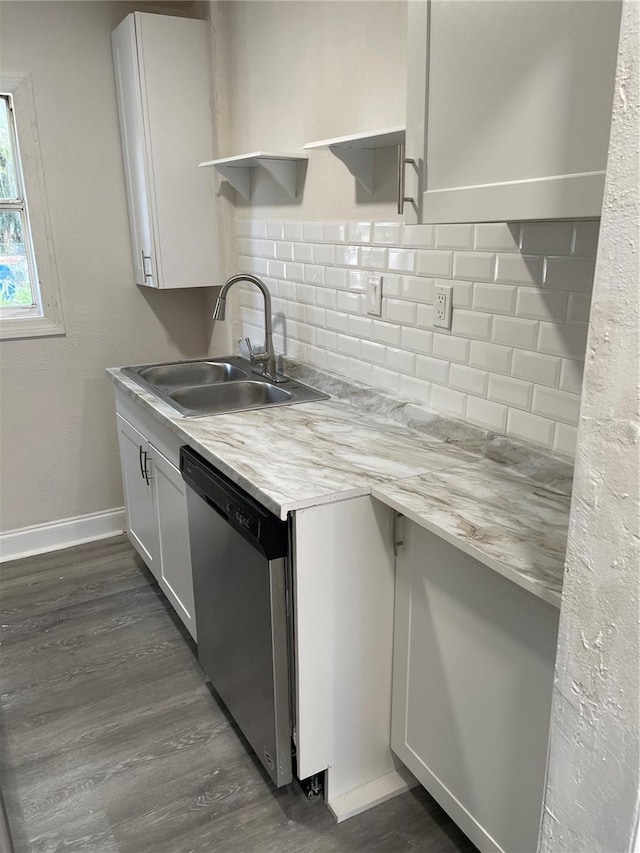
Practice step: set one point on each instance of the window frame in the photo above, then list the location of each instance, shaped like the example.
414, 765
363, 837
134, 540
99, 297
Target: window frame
45, 319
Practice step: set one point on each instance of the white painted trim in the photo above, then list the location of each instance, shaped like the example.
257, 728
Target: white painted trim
372, 794
54, 535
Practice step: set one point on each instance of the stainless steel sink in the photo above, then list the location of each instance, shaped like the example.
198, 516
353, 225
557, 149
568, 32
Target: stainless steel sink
230, 397
218, 385
190, 373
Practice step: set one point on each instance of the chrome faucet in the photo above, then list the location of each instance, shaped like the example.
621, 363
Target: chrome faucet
265, 358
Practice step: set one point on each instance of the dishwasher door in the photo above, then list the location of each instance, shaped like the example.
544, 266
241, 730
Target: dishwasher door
241, 617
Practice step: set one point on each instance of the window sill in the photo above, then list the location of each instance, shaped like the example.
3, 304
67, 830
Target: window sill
29, 327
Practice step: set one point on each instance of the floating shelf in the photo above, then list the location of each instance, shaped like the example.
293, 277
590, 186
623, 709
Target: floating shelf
357, 151
237, 170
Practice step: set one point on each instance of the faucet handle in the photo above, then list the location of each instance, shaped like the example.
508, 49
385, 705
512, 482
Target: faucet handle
255, 357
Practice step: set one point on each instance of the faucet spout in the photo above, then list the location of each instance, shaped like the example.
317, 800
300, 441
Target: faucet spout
267, 358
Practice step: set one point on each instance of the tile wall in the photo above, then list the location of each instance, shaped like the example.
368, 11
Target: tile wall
513, 359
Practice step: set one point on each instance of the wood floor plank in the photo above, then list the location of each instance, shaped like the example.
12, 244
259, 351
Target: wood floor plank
111, 741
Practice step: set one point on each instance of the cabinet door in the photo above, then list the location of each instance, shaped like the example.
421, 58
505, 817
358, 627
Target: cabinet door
139, 497
175, 578
129, 97
509, 107
472, 681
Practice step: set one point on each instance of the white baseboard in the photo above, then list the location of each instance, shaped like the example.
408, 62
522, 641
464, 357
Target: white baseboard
40, 538
372, 794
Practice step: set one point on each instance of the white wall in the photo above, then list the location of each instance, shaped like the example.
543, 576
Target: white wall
58, 449
593, 789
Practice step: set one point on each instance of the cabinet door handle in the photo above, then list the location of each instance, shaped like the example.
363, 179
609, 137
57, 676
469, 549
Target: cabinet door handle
394, 533
402, 162
140, 451
146, 258
144, 466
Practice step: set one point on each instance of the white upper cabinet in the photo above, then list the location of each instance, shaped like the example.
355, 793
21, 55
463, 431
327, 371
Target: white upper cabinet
163, 83
509, 108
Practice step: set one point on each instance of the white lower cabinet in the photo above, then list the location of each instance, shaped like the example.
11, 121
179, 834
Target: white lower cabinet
156, 507
472, 680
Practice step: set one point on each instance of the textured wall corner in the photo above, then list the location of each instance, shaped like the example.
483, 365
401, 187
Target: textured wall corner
592, 796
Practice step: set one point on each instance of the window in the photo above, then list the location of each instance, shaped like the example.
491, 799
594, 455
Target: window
29, 292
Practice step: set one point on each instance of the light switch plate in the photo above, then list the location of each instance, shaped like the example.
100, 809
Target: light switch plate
442, 303
374, 295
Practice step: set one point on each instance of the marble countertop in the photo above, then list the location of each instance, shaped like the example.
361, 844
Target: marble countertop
362, 442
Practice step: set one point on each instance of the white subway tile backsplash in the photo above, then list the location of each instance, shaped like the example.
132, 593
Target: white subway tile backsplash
565, 341
347, 256
323, 253
387, 232
496, 359
348, 302
358, 281
450, 348
360, 326
530, 427
416, 340
447, 400
417, 289
565, 439
511, 392
471, 324
476, 266
306, 293
468, 379
313, 274
419, 236
359, 371
424, 316
487, 414
358, 232
570, 273
571, 375
514, 357
515, 332
349, 346
335, 232
415, 389
373, 352
542, 304
559, 405
386, 333
519, 269
432, 369
494, 298
401, 260
497, 237
373, 258
303, 252
400, 360
579, 308
547, 238
536, 367
336, 277
585, 238
399, 312
293, 231
435, 264
313, 232
284, 251
454, 237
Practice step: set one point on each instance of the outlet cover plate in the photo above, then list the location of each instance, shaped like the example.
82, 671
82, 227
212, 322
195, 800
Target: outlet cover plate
374, 295
442, 306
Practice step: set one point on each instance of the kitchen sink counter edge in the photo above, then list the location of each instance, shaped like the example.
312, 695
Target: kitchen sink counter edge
511, 515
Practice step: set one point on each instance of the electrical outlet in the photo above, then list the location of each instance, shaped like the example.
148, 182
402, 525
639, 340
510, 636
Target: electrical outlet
442, 304
374, 295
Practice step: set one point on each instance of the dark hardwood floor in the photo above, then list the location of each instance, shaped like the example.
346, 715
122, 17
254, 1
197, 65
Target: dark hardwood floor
111, 741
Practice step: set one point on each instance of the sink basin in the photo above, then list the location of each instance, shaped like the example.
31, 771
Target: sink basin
190, 373
213, 386
231, 397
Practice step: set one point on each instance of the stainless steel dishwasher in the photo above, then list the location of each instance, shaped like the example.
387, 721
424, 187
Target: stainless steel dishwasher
239, 555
